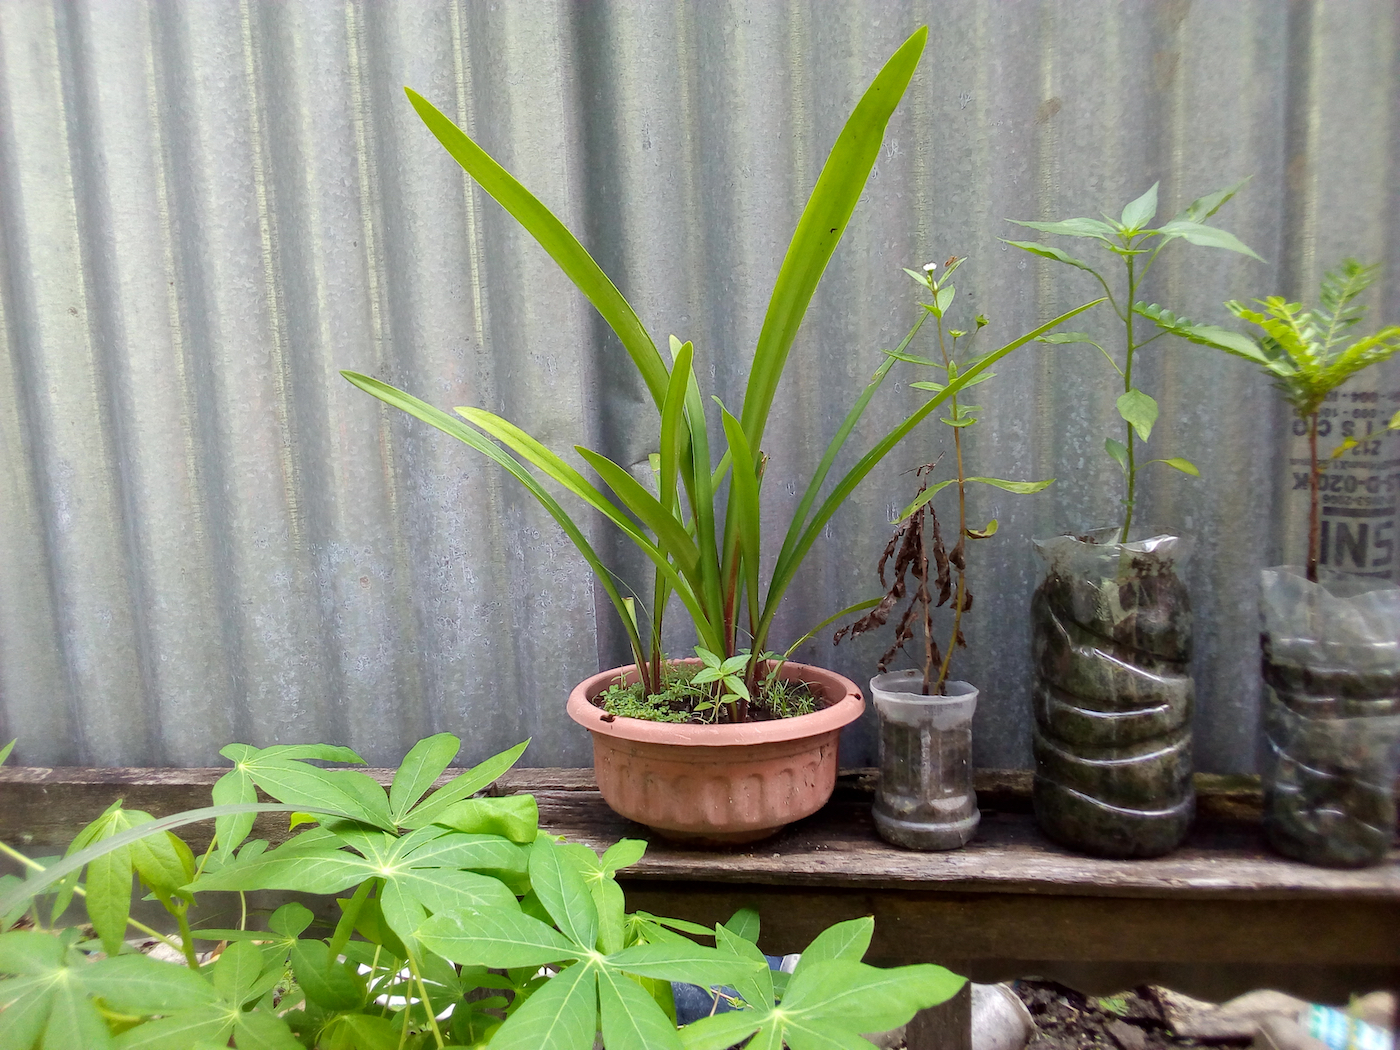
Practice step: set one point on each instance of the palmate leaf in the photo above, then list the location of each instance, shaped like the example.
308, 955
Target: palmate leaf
52, 1002
240, 975
828, 1005
462, 786
285, 776
424, 763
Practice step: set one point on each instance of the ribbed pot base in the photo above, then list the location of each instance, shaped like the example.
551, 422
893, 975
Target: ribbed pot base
720, 785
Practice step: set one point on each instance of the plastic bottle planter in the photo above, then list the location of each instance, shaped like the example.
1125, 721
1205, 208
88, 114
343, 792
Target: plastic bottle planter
925, 799
1331, 662
1111, 644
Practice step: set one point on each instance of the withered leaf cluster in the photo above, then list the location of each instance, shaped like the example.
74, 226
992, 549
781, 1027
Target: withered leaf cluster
910, 550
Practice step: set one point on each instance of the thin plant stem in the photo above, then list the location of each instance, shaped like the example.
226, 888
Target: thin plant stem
1128, 385
427, 1003
1314, 524
181, 912
962, 531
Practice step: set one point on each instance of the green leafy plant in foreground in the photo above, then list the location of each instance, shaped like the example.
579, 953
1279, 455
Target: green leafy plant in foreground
911, 545
829, 1000
704, 548
462, 925
1301, 349
1136, 245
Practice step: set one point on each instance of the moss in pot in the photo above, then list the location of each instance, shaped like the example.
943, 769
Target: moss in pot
1330, 643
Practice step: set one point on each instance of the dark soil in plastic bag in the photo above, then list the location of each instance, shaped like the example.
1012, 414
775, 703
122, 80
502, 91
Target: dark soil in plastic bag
1331, 716
1111, 646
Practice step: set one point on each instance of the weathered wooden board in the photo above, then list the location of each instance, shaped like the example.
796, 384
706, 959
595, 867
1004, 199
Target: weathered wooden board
1010, 895
1224, 858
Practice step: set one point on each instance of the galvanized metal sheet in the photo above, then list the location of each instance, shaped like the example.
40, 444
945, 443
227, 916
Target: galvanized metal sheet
207, 210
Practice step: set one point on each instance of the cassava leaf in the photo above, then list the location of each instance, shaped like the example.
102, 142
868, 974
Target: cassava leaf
424, 763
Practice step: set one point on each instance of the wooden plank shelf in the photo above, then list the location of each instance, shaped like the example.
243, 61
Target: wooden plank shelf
1009, 904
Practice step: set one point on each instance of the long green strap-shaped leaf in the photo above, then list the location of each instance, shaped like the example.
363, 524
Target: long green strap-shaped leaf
534, 452
457, 428
555, 238
699, 483
670, 533
673, 432
838, 442
785, 571
36, 884
744, 508
823, 221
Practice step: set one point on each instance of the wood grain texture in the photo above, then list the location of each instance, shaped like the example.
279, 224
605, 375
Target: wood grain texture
1224, 858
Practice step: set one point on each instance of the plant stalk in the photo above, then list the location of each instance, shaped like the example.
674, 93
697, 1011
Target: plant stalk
962, 532
1314, 523
1128, 385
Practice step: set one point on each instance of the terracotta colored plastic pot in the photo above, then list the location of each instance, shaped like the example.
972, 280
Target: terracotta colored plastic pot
722, 784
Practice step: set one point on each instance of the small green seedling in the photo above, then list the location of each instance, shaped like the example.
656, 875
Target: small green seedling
1137, 246
1302, 350
909, 546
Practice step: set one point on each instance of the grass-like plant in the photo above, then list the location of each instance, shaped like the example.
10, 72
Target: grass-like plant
1132, 242
702, 540
1302, 350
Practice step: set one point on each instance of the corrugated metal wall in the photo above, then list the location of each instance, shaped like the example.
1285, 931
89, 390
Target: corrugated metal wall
207, 209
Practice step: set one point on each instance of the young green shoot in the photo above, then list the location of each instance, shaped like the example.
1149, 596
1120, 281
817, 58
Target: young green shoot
1136, 245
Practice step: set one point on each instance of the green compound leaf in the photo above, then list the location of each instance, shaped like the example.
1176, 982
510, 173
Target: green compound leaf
423, 764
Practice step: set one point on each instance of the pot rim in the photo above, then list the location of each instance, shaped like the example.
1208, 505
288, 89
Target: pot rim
846, 708
967, 691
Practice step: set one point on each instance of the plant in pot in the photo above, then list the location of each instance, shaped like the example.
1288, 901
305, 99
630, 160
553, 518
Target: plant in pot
733, 771
1330, 640
1111, 621
925, 798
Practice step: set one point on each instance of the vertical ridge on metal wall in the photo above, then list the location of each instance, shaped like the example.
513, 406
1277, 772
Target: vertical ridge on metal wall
207, 210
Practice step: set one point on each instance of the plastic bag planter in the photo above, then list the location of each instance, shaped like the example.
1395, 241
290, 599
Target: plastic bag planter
1111, 645
1331, 663
925, 799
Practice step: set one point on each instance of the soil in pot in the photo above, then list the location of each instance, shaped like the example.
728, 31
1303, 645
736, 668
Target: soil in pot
1331, 715
1112, 696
